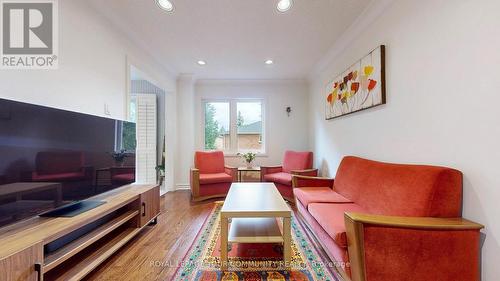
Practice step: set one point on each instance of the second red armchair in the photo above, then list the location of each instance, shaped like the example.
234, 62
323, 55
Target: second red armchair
294, 163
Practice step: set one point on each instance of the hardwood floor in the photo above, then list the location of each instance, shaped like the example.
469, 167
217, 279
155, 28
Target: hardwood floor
156, 251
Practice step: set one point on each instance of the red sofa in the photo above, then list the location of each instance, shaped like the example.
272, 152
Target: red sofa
294, 163
382, 221
210, 178
61, 166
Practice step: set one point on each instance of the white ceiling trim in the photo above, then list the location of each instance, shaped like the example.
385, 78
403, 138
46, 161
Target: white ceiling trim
250, 81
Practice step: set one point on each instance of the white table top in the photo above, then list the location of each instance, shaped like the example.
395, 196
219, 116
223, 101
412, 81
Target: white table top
256, 199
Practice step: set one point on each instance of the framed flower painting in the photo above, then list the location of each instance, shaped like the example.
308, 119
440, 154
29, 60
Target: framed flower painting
360, 87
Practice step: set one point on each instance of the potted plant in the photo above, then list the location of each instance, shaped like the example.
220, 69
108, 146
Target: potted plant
119, 157
160, 169
249, 157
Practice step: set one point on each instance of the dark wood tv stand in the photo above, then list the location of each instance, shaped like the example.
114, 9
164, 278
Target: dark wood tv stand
24, 246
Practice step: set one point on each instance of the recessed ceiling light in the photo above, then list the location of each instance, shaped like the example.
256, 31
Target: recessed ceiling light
201, 62
269, 62
165, 5
284, 5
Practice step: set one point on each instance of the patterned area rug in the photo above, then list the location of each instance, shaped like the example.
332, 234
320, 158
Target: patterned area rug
254, 262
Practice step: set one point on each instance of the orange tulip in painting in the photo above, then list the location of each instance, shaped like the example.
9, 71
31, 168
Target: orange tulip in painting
354, 87
359, 87
371, 84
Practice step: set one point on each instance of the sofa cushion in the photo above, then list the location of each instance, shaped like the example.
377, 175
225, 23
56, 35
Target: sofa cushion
283, 178
412, 190
308, 195
295, 160
210, 162
331, 218
215, 178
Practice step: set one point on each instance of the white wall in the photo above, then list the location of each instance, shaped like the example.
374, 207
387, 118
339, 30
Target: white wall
92, 69
283, 132
185, 129
442, 101
92, 66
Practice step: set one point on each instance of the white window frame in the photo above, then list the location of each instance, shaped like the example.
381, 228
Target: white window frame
233, 128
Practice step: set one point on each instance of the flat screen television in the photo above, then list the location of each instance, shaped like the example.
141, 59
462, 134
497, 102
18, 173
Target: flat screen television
52, 158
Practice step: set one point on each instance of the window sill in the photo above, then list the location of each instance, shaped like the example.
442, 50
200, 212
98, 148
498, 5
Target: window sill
234, 155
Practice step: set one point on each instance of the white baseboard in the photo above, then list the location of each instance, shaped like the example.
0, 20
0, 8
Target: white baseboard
182, 186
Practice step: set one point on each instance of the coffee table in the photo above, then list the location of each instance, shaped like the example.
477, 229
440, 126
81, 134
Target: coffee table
254, 210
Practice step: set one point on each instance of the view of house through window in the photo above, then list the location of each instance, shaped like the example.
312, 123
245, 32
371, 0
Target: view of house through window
234, 126
249, 125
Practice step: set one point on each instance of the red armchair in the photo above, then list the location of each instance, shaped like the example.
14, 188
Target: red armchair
210, 178
294, 163
382, 221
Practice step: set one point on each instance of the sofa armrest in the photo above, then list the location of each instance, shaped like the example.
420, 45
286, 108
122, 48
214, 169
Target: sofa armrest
308, 172
412, 246
232, 171
264, 170
194, 182
306, 181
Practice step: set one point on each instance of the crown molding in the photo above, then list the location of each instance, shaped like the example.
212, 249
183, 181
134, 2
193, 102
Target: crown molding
365, 19
249, 81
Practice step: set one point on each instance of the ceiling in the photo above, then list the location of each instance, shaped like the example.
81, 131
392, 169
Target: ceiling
234, 37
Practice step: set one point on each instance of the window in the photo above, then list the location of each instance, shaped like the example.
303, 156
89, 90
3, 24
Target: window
217, 126
133, 108
234, 125
125, 136
249, 125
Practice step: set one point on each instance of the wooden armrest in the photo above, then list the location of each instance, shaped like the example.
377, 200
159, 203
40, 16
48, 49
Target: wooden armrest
302, 171
307, 172
233, 171
355, 223
413, 222
308, 181
194, 182
310, 178
271, 167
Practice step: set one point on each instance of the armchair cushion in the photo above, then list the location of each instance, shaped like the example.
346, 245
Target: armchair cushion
209, 162
295, 160
215, 178
331, 218
308, 195
282, 178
